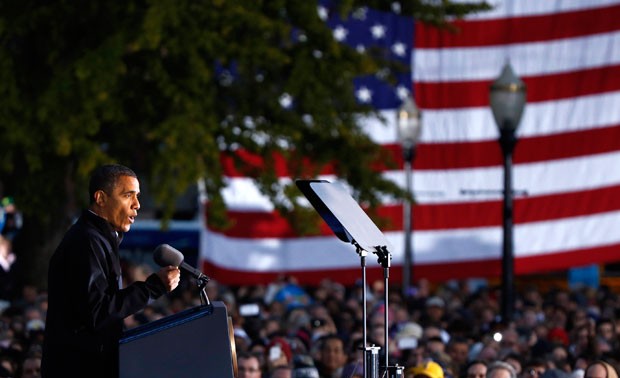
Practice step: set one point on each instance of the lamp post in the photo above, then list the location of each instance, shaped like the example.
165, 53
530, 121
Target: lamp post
507, 99
409, 129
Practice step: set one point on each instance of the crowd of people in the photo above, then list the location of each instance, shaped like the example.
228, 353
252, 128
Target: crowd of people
449, 330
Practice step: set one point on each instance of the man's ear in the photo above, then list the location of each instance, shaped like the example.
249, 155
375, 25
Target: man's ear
100, 197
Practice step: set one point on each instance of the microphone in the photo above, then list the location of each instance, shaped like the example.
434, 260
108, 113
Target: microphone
165, 255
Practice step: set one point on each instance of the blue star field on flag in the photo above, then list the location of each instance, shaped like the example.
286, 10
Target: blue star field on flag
365, 28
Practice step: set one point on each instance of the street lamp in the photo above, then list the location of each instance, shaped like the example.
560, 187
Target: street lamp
507, 98
409, 129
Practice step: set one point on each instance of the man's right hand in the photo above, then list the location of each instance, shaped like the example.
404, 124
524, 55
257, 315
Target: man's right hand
170, 276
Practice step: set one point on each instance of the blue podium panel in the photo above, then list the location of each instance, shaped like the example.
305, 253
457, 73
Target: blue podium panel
192, 343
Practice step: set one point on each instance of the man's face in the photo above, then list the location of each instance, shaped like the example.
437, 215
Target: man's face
249, 368
332, 354
477, 370
121, 206
31, 368
458, 352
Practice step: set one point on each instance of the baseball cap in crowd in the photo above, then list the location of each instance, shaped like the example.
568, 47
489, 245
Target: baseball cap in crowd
558, 335
428, 369
408, 336
435, 301
282, 346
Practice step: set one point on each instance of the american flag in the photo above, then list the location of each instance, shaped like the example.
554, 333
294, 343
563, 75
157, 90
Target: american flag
566, 172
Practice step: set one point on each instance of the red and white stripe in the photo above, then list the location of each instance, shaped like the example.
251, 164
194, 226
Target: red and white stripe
566, 163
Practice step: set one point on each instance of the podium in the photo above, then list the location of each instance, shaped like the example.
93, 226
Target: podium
197, 342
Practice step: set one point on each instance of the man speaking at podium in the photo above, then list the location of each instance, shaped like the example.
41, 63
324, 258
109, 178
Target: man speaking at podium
87, 303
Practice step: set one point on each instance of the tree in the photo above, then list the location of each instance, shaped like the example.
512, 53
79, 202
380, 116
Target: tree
167, 87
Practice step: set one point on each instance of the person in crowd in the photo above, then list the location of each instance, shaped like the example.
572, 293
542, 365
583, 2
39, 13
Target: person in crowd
600, 369
8, 366
476, 369
86, 302
509, 343
31, 366
7, 273
558, 358
458, 350
415, 356
248, 366
535, 368
514, 359
500, 369
332, 356
428, 369
12, 219
303, 367
435, 312
282, 372
278, 353
606, 330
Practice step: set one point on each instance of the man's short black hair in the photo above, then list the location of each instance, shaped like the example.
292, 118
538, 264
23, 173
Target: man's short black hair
105, 178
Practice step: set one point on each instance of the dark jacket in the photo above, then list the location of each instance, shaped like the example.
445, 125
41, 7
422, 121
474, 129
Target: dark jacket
86, 304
